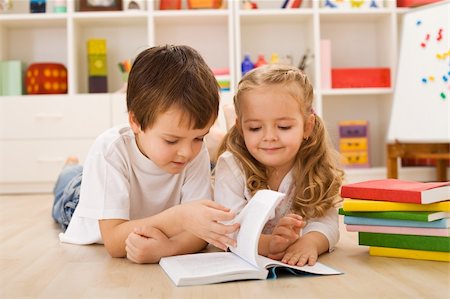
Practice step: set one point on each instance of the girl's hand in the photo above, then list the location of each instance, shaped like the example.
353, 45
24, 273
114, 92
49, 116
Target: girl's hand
284, 235
147, 245
202, 218
306, 249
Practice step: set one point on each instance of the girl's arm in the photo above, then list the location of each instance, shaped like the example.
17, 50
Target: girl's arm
284, 234
306, 249
319, 235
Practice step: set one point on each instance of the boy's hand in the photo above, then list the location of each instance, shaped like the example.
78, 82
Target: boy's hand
284, 235
202, 218
146, 245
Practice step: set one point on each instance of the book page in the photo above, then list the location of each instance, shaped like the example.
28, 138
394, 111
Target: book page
317, 268
252, 219
205, 264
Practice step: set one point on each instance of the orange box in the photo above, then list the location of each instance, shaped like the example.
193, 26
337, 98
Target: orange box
195, 4
360, 77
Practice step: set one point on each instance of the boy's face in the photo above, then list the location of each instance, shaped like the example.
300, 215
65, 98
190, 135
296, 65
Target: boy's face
169, 143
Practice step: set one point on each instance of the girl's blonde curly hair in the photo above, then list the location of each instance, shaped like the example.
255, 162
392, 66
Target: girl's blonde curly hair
316, 176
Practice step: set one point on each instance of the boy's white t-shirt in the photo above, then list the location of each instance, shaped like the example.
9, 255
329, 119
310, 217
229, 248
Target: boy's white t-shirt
230, 190
119, 182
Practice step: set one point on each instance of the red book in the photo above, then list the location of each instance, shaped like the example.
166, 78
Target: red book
398, 191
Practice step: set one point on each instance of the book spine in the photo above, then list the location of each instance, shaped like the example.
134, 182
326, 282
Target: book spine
443, 232
404, 196
410, 254
442, 223
399, 215
367, 205
429, 243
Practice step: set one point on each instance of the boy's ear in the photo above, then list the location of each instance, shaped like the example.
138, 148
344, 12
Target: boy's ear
135, 126
309, 125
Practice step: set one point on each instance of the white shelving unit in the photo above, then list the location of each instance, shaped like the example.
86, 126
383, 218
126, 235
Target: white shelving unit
359, 38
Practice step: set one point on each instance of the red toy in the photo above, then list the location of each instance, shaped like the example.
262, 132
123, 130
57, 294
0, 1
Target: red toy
46, 78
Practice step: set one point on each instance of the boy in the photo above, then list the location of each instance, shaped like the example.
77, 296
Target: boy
128, 194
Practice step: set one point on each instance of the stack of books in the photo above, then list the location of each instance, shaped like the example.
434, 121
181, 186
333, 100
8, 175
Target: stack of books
398, 218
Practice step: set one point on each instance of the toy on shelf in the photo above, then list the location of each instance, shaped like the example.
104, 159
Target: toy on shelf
352, 3
11, 76
37, 6
291, 4
46, 78
414, 3
360, 77
133, 4
100, 5
125, 68
59, 6
260, 61
5, 5
204, 4
246, 65
247, 4
354, 143
222, 76
169, 4
97, 66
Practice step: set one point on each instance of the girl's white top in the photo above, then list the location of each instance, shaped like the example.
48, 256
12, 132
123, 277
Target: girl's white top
231, 191
119, 182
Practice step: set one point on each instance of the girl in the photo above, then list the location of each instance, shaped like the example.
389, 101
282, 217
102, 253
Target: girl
279, 143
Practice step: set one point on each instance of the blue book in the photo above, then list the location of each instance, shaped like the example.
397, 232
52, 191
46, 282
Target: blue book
441, 223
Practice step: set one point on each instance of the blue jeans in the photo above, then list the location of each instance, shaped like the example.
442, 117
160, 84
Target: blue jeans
67, 194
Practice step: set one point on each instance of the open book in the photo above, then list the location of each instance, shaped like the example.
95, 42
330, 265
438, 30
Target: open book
243, 262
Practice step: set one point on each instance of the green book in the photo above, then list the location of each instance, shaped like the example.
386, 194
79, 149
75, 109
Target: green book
430, 243
425, 216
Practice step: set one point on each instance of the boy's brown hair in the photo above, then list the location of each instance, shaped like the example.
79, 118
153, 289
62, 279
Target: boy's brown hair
165, 76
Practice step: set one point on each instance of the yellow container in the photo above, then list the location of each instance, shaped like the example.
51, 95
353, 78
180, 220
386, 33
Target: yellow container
353, 144
355, 158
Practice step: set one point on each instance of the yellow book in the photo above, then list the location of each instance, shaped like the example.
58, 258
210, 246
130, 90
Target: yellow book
410, 254
377, 205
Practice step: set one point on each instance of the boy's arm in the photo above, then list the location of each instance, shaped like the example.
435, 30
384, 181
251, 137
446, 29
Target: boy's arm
149, 245
200, 218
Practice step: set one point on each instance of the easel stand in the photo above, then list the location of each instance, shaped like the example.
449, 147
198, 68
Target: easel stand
438, 151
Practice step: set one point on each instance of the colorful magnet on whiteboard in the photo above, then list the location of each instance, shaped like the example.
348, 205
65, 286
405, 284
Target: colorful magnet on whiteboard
443, 96
418, 22
431, 78
424, 80
445, 78
439, 37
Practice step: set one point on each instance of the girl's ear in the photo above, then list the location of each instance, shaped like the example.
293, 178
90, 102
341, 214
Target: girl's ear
135, 126
309, 125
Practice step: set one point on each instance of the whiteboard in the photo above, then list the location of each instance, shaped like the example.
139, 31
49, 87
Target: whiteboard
421, 105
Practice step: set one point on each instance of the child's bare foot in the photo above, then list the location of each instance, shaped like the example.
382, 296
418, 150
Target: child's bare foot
72, 160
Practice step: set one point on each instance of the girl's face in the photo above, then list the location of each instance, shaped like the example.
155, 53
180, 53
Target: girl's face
273, 126
169, 143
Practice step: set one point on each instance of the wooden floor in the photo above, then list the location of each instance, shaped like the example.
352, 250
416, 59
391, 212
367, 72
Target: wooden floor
33, 264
